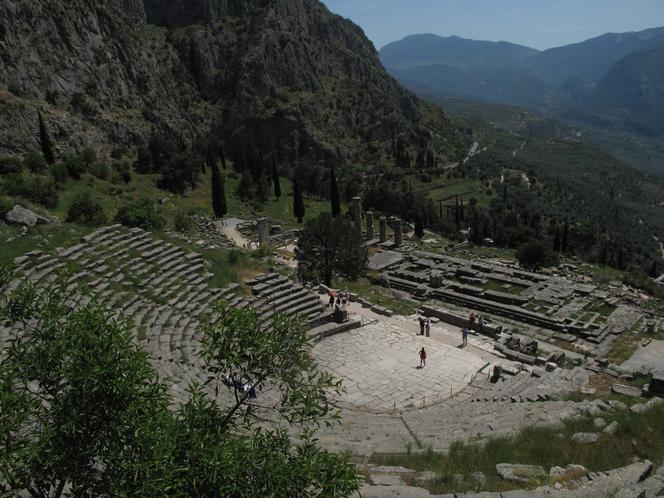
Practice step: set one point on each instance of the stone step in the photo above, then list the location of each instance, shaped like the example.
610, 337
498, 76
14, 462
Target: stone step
319, 333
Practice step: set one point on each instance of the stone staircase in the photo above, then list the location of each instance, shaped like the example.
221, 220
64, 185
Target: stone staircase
528, 387
274, 293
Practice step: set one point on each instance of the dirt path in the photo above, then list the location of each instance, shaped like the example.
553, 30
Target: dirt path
228, 227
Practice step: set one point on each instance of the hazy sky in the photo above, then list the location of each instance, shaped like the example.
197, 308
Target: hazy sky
539, 24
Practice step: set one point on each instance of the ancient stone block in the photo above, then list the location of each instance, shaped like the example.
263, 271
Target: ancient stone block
585, 437
520, 473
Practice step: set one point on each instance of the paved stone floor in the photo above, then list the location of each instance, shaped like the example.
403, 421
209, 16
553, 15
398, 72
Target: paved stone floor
652, 356
379, 366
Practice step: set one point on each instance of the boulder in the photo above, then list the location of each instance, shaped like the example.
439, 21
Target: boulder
571, 472
436, 280
617, 405
626, 390
611, 428
599, 423
520, 473
585, 437
19, 215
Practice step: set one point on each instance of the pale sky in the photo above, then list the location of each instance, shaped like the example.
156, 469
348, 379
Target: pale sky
539, 24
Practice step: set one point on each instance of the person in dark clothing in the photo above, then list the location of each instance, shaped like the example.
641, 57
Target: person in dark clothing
423, 358
421, 325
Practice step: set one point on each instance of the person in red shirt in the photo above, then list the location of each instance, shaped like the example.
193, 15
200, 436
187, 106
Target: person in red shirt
472, 320
423, 358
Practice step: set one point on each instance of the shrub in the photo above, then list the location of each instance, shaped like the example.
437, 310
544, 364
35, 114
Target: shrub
119, 152
182, 222
100, 170
234, 256
142, 214
84, 211
6, 205
88, 156
534, 254
123, 170
44, 191
39, 189
9, 165
59, 172
76, 167
35, 162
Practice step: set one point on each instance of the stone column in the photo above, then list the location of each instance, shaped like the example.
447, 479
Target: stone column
263, 232
357, 212
370, 233
383, 229
398, 235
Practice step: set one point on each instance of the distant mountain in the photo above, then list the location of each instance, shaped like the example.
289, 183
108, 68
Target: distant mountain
502, 84
611, 81
428, 49
590, 60
633, 91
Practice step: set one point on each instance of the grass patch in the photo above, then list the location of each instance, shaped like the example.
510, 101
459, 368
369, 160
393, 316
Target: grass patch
378, 295
623, 347
606, 310
638, 437
229, 266
498, 286
43, 237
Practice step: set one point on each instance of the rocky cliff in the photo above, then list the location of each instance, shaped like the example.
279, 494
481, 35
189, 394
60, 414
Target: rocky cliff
283, 75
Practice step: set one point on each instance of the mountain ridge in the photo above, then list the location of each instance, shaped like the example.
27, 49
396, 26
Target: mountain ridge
286, 73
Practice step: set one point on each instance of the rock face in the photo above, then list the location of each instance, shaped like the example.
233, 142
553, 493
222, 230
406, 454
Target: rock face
286, 74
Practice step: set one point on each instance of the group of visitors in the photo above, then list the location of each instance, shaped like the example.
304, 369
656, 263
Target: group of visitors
425, 329
425, 325
476, 318
338, 299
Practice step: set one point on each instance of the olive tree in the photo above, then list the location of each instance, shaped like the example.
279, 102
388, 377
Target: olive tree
83, 413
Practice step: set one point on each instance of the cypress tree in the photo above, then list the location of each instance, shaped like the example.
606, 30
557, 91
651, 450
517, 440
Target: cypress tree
275, 179
505, 193
222, 153
219, 205
298, 202
457, 213
245, 188
565, 241
45, 141
334, 194
462, 210
419, 227
556, 240
653, 270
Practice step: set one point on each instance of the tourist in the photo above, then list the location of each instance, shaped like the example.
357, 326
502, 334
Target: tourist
472, 319
427, 326
347, 296
421, 320
480, 323
423, 358
464, 336
331, 301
